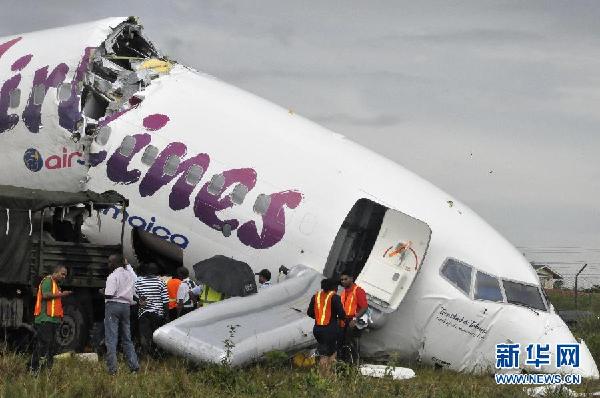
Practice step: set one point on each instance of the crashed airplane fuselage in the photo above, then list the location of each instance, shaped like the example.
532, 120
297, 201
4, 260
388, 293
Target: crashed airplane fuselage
210, 169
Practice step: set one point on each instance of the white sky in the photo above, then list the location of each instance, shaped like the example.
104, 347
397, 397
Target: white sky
450, 90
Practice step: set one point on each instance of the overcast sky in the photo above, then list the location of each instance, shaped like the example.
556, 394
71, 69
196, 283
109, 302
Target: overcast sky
498, 103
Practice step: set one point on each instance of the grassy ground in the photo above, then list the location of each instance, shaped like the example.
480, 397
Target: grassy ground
172, 377
565, 300
275, 378
587, 329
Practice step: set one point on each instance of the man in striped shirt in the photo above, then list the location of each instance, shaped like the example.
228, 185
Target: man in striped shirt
153, 306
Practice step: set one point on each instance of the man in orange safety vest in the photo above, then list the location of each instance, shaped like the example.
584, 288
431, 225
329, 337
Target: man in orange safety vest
172, 288
48, 313
354, 300
326, 309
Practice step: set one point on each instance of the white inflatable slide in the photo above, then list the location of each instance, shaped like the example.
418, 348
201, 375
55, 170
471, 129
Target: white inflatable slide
241, 330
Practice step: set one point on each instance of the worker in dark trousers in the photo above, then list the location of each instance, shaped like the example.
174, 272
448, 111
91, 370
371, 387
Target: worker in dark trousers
153, 307
48, 313
326, 309
354, 300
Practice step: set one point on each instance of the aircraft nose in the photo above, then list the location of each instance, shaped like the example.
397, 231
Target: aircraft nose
559, 333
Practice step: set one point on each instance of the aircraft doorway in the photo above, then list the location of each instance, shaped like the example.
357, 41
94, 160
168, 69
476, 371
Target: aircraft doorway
355, 239
382, 248
150, 248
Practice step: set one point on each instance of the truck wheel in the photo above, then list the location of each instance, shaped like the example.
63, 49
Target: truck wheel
73, 331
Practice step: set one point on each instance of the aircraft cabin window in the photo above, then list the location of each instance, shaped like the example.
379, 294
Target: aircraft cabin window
487, 287
216, 184
150, 154
194, 175
39, 91
64, 91
262, 204
126, 148
459, 274
14, 98
522, 294
103, 135
239, 194
171, 165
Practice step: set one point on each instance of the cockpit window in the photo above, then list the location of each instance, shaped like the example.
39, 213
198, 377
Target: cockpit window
487, 287
522, 294
459, 274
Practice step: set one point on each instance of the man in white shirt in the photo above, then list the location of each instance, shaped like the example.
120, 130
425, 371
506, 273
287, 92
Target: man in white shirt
185, 296
264, 279
118, 299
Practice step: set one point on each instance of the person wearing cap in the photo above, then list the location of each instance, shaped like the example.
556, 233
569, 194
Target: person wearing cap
264, 279
326, 309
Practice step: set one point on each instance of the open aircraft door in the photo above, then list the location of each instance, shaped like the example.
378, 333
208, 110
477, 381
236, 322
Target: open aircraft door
396, 258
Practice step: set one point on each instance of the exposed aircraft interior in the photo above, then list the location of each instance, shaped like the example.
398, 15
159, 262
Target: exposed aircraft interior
355, 239
150, 248
125, 64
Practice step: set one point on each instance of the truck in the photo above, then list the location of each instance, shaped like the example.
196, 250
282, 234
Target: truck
41, 229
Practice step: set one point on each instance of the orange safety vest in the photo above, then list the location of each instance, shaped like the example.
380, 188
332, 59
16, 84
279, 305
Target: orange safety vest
172, 287
323, 308
349, 301
349, 304
53, 306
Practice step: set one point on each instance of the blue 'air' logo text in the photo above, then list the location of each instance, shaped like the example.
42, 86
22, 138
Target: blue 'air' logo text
152, 227
34, 160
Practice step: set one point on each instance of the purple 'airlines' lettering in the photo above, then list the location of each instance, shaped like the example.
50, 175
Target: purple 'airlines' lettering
4, 47
207, 205
116, 167
68, 110
96, 158
155, 122
156, 178
273, 221
21, 63
32, 115
7, 122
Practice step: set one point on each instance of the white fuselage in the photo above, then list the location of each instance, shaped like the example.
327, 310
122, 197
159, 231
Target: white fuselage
313, 177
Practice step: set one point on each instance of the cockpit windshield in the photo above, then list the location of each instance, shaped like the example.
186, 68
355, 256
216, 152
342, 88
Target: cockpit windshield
522, 294
488, 287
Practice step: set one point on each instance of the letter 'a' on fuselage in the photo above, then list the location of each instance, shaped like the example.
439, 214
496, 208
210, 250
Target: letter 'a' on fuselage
209, 169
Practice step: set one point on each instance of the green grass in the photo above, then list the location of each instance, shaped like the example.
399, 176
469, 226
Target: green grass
587, 329
565, 300
174, 377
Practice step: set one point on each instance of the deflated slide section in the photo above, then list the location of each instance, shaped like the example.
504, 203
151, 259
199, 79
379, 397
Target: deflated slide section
242, 329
